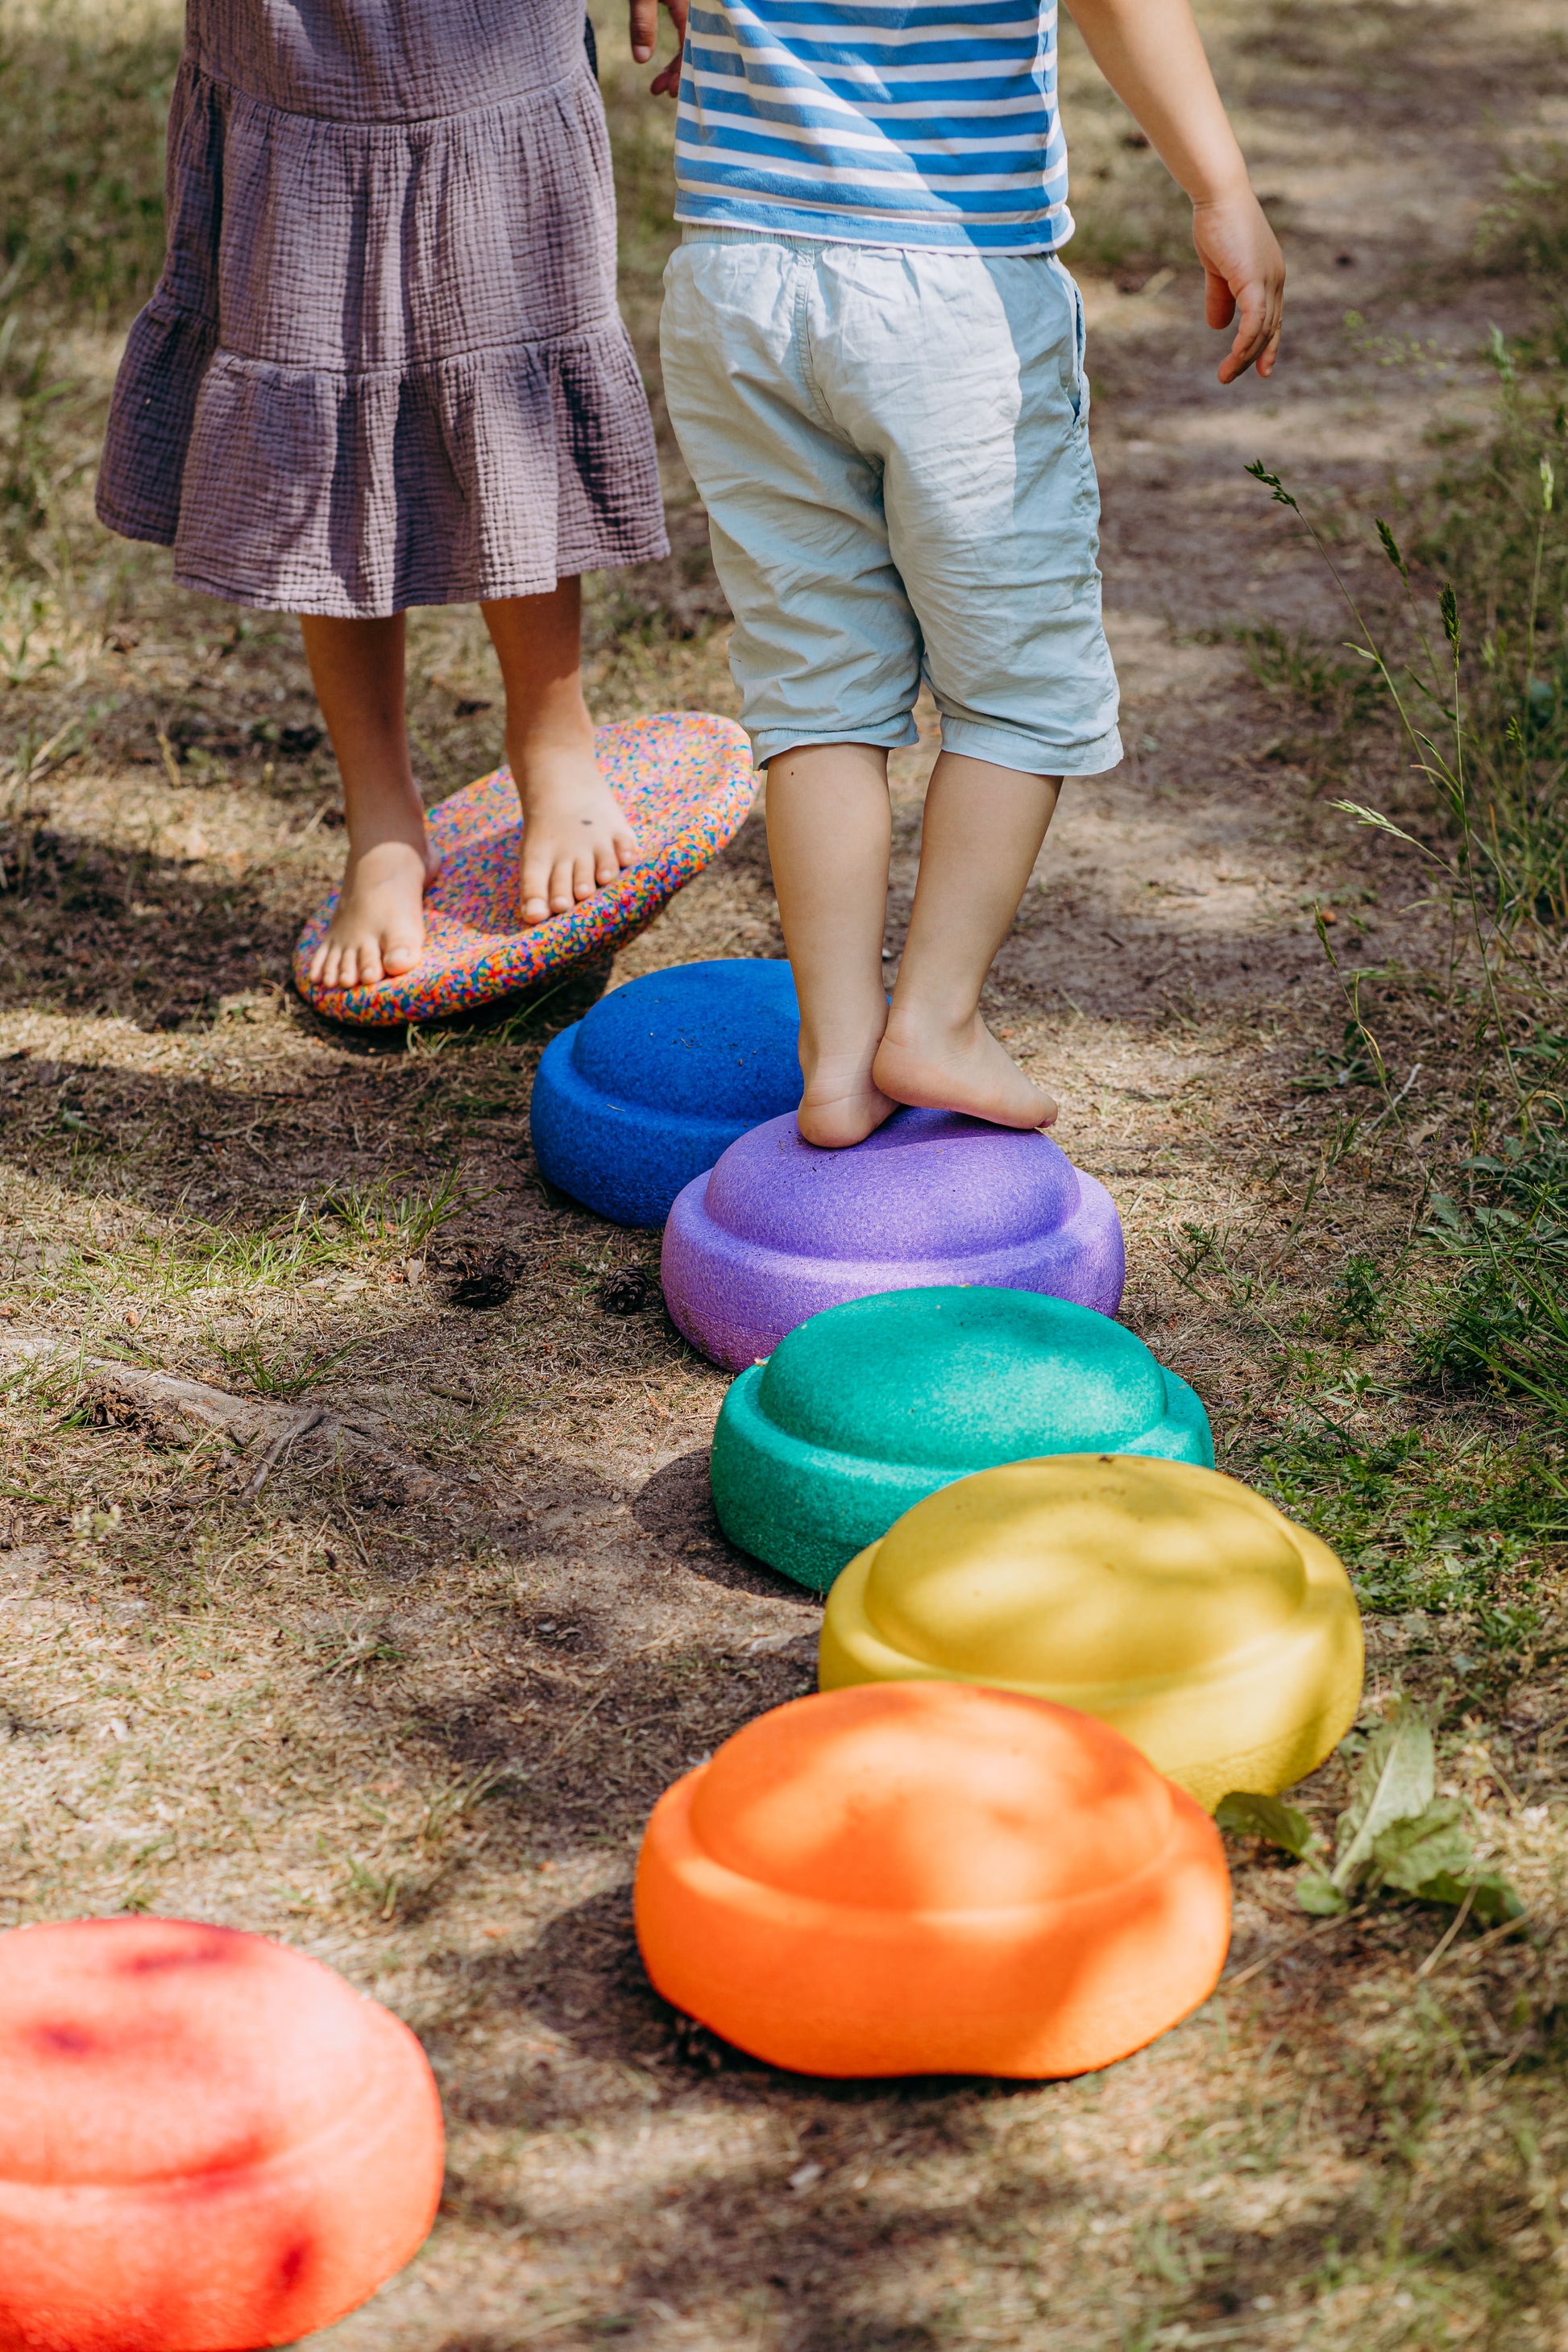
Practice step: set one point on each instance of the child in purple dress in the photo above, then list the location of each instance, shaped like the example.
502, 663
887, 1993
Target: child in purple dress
383, 367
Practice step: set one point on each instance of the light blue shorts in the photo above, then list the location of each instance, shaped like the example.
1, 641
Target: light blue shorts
893, 449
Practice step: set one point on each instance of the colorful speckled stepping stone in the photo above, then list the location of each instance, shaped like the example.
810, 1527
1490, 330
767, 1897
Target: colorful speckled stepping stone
778, 1229
931, 1880
865, 1409
686, 780
647, 1090
208, 2143
1174, 1603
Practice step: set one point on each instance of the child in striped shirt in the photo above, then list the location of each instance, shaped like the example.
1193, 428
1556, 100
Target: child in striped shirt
873, 358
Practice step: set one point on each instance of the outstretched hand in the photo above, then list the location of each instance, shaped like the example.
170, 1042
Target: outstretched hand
645, 40
1245, 270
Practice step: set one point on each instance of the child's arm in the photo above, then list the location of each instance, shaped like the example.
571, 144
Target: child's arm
1150, 53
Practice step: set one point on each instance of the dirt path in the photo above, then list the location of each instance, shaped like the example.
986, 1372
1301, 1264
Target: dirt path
417, 1728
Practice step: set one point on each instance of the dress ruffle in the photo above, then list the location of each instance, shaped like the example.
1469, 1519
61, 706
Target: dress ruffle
383, 365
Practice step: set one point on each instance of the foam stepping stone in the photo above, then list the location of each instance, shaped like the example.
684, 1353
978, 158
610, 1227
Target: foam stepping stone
868, 1408
647, 1089
686, 780
208, 2143
930, 1879
1169, 1601
778, 1230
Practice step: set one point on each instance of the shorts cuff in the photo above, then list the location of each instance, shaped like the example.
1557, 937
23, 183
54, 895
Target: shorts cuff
892, 735
1035, 755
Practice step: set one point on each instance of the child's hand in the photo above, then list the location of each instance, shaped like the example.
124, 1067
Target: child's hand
1246, 272
666, 83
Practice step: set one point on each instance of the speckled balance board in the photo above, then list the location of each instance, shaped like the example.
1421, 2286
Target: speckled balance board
684, 778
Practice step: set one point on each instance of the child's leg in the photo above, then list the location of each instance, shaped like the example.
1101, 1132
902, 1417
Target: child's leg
830, 833
575, 835
378, 929
983, 827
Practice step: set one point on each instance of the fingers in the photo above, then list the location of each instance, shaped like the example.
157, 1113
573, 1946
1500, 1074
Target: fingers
1244, 278
1257, 335
1251, 334
645, 40
1219, 303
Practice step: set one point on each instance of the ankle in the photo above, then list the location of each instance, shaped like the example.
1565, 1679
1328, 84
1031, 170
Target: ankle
389, 820
556, 725
923, 1020
842, 1043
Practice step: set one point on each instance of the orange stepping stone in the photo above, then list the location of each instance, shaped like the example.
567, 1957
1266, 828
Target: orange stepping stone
931, 1878
208, 2143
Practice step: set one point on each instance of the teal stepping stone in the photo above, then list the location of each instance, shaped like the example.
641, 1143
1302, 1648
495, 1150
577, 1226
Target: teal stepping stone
868, 1408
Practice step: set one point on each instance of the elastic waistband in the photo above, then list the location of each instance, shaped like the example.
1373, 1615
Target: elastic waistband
721, 233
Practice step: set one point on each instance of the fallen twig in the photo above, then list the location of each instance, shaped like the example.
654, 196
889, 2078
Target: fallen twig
174, 1411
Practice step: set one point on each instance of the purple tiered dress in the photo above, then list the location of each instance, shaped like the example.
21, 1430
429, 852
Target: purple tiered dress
383, 365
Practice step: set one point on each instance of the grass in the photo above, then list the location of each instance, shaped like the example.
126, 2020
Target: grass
418, 1733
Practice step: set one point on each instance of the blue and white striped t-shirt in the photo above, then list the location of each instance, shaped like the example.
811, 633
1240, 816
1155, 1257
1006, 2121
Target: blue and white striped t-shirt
931, 124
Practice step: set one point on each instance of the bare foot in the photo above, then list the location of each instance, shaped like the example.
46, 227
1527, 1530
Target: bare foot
841, 1105
576, 837
377, 930
960, 1069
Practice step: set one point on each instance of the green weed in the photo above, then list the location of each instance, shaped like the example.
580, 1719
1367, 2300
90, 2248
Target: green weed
1505, 1321
375, 1212
1526, 228
283, 1372
1315, 682
1449, 1535
1396, 1835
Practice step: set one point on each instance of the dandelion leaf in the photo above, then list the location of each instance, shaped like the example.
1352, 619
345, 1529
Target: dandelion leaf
1315, 1891
1411, 1853
1396, 1781
1243, 1814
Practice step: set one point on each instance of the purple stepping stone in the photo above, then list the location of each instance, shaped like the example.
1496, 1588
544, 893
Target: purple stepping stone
777, 1229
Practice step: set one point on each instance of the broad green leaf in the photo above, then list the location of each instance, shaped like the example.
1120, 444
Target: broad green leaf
1494, 1898
1396, 1779
1429, 1845
1315, 1891
1247, 1815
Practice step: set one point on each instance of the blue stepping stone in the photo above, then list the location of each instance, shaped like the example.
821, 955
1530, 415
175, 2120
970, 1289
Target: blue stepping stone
868, 1408
648, 1089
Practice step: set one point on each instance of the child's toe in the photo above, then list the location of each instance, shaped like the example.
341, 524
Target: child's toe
533, 889
401, 956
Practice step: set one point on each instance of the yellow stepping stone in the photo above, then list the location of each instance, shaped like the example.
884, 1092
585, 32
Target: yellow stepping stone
1169, 1601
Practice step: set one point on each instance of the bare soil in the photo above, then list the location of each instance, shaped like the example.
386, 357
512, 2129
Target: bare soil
400, 1684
